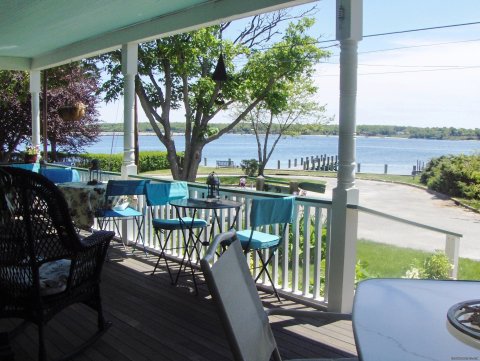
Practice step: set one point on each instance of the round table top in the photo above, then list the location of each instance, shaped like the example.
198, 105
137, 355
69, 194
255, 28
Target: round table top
204, 203
406, 319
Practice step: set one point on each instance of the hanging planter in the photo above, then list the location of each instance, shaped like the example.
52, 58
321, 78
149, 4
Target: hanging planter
72, 112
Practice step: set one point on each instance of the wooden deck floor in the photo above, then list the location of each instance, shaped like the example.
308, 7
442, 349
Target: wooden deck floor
153, 320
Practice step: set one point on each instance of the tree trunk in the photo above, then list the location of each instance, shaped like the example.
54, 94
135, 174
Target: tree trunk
261, 169
191, 162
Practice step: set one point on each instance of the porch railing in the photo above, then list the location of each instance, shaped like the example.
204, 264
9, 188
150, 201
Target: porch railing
301, 266
451, 241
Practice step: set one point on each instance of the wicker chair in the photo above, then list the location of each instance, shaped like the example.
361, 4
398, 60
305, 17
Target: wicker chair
44, 265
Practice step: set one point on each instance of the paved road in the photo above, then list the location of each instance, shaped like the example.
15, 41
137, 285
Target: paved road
416, 205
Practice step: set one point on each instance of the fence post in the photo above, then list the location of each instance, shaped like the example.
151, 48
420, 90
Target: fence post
278, 164
385, 169
452, 249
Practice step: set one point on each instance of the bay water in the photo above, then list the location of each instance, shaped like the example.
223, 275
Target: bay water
400, 154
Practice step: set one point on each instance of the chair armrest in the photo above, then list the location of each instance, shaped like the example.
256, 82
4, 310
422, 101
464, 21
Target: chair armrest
96, 238
328, 316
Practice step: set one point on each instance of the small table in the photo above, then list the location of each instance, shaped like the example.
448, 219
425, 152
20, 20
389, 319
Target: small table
191, 242
83, 200
406, 320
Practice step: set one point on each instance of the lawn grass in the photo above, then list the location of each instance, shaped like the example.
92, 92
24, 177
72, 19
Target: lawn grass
286, 174
387, 261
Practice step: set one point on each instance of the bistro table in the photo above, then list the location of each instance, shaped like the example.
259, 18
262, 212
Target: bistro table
83, 200
406, 320
192, 242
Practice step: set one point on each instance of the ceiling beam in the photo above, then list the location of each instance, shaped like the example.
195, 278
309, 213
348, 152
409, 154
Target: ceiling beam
14, 63
198, 16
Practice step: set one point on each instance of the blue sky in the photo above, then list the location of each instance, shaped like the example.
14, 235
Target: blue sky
432, 78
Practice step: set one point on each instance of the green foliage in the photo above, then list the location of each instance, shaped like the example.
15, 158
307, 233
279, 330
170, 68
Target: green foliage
327, 129
249, 167
361, 272
111, 163
148, 161
436, 267
454, 175
176, 72
153, 160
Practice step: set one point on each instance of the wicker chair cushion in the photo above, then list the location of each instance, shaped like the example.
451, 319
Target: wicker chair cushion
54, 276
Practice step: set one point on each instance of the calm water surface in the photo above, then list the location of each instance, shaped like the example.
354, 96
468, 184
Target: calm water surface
372, 152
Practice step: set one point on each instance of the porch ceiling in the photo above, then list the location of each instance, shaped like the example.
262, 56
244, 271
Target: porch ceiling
41, 34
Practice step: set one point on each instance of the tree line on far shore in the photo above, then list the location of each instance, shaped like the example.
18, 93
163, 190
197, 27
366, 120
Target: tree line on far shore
332, 129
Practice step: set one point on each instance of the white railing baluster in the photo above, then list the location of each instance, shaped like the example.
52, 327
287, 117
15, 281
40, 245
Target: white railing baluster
306, 251
317, 255
452, 250
295, 249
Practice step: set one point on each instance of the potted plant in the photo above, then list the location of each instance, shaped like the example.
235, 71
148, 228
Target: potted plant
31, 153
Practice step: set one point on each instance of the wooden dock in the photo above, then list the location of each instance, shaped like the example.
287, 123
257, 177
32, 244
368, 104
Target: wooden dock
153, 320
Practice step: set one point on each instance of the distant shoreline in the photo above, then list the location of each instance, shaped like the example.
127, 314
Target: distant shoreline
106, 134
120, 133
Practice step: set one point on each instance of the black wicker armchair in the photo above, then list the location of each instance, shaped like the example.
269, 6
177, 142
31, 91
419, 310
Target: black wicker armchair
44, 265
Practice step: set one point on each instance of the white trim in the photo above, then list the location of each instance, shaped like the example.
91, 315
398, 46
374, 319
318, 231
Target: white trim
14, 63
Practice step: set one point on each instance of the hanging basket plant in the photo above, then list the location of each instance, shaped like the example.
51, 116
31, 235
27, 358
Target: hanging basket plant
72, 112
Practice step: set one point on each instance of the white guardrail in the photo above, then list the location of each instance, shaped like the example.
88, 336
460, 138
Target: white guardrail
300, 267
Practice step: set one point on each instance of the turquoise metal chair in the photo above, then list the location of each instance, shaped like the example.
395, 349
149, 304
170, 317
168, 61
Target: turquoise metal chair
60, 175
244, 319
120, 188
266, 212
160, 194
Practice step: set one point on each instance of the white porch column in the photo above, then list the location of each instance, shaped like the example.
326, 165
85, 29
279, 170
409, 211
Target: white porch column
35, 99
345, 221
129, 70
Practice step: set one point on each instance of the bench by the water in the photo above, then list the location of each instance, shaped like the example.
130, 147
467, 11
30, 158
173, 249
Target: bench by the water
225, 164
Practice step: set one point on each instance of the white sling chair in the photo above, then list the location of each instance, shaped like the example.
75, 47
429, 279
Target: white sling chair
244, 319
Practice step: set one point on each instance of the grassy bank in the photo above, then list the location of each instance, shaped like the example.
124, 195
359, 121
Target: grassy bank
285, 174
382, 260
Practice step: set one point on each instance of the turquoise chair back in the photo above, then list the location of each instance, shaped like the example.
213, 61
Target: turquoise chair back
125, 187
60, 175
266, 211
160, 194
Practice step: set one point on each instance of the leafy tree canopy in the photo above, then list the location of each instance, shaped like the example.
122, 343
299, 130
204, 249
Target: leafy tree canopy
176, 73
66, 85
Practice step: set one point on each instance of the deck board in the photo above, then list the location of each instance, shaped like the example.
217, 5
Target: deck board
152, 320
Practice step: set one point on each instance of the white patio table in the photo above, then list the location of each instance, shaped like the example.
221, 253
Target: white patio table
406, 320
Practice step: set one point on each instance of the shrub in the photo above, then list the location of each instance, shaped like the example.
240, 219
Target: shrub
249, 167
148, 161
456, 176
436, 267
